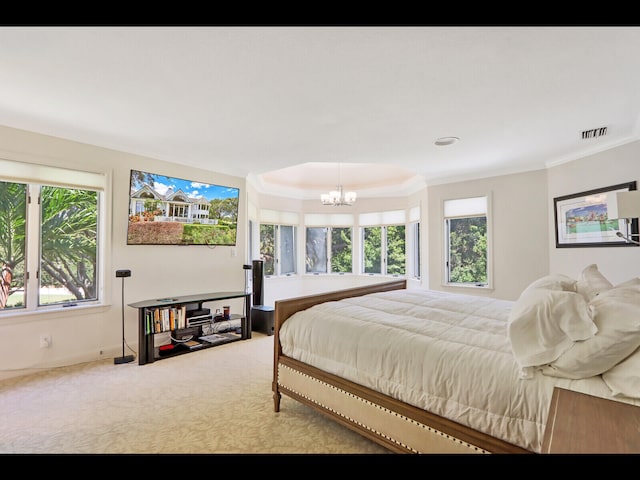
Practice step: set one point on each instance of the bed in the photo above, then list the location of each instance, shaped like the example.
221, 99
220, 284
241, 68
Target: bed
422, 371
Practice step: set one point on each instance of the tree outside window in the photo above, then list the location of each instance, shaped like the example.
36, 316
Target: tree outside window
328, 249
384, 250
277, 249
467, 262
13, 215
68, 244
465, 221
268, 248
372, 246
69, 232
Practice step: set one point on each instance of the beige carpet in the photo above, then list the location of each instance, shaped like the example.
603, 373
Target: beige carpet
213, 401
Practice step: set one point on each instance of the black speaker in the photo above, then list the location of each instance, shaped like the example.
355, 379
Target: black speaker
262, 319
258, 282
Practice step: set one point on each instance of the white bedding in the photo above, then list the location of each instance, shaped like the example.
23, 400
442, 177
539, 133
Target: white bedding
446, 353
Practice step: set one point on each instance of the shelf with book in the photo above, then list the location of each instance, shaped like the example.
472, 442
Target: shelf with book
178, 325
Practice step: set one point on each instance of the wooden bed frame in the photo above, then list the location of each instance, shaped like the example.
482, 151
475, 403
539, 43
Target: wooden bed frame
398, 426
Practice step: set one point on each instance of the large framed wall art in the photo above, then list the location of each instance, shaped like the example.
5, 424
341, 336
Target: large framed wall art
583, 219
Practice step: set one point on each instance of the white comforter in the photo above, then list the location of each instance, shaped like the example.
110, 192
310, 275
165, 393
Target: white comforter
446, 353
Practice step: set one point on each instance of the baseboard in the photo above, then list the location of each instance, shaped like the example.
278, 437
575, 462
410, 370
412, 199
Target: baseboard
106, 353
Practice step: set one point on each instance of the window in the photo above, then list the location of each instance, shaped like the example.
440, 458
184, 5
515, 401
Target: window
277, 249
329, 249
49, 236
466, 260
384, 250
287, 245
384, 242
413, 243
68, 244
13, 239
414, 229
268, 248
396, 249
372, 249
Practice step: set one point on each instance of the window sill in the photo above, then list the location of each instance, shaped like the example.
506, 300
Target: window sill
472, 286
23, 315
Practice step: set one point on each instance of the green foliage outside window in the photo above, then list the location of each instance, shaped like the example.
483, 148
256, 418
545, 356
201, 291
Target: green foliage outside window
68, 230
268, 248
341, 250
395, 244
396, 254
468, 250
13, 214
373, 250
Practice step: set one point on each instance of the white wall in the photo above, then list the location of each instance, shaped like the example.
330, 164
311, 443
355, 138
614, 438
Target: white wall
80, 334
611, 167
517, 227
522, 232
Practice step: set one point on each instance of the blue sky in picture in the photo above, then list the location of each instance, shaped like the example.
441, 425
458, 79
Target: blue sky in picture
193, 189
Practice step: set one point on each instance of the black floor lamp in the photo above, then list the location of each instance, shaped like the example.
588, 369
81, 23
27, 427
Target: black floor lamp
124, 358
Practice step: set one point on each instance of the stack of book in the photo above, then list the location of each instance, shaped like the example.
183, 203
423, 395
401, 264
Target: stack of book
193, 345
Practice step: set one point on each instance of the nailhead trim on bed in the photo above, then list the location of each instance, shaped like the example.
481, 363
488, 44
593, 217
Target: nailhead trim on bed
379, 407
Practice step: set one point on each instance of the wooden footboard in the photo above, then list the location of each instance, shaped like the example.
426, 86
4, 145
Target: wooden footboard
393, 424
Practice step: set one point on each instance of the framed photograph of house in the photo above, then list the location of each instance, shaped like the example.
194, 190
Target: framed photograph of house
175, 211
584, 219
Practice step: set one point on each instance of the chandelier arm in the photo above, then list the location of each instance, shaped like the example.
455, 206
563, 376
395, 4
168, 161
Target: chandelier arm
338, 197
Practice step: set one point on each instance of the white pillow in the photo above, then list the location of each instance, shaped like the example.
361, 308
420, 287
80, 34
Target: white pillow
624, 378
616, 313
555, 281
545, 323
629, 283
592, 283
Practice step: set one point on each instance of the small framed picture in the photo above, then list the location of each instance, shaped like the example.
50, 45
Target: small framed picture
582, 219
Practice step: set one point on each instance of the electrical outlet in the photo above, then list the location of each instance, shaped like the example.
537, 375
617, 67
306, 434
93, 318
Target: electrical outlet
45, 340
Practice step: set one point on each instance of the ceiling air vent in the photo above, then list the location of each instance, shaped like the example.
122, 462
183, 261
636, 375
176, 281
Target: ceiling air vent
594, 133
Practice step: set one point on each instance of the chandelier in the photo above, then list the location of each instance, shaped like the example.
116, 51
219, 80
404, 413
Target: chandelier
338, 197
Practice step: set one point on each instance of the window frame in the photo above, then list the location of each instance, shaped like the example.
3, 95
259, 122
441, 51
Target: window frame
34, 176
407, 218
446, 241
328, 247
278, 247
384, 250
40, 207
413, 245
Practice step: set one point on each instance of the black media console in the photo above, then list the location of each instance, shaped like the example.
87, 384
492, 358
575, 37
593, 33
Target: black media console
177, 325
